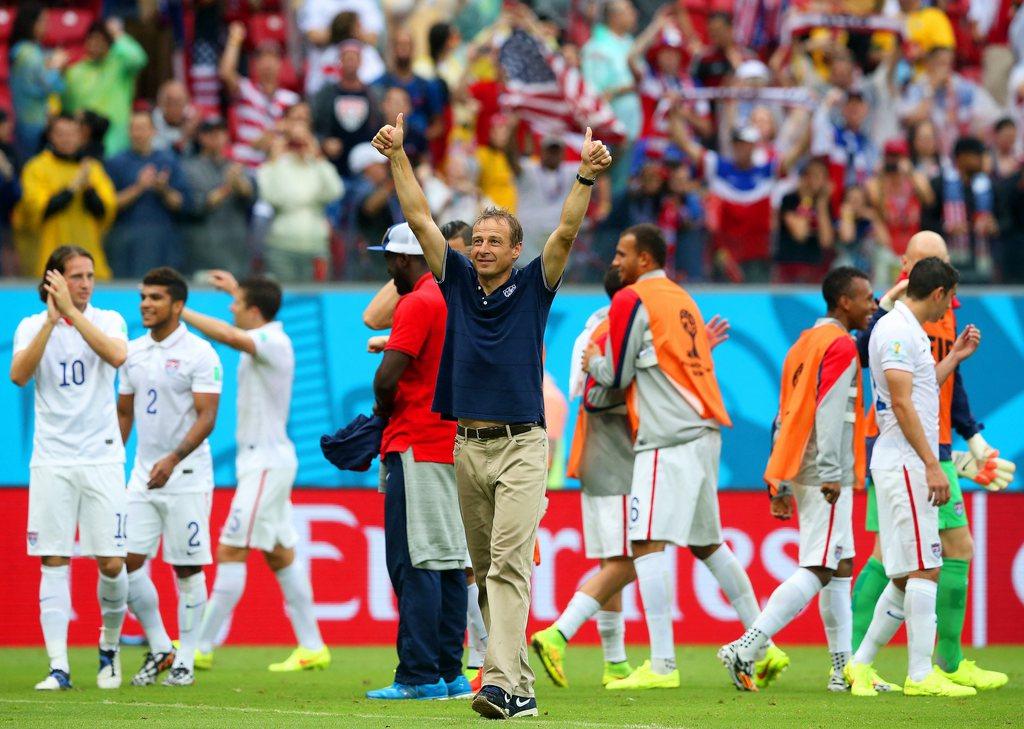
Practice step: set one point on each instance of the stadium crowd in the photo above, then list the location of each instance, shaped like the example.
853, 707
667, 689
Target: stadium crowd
769, 139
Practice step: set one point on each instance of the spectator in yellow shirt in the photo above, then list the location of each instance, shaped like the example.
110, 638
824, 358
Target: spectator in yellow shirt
499, 164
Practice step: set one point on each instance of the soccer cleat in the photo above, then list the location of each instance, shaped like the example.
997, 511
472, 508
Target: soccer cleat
881, 685
549, 645
492, 702
180, 676
57, 680
522, 706
303, 659
459, 688
203, 661
770, 667
615, 671
403, 691
968, 674
741, 671
936, 684
152, 666
837, 681
109, 675
644, 677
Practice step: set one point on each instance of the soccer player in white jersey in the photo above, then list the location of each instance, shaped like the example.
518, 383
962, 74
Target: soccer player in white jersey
261, 512
170, 388
909, 482
72, 350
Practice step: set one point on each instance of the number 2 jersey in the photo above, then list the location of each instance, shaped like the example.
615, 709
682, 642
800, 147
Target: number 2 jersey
163, 377
75, 410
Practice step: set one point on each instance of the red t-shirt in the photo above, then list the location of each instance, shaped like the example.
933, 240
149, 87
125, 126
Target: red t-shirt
418, 331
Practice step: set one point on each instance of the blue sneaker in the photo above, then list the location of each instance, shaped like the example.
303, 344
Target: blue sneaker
399, 691
459, 688
57, 680
522, 706
492, 703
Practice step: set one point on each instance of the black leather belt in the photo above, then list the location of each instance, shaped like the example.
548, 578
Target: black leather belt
496, 431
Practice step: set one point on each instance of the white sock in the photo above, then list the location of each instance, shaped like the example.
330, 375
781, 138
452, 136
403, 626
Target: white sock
298, 595
55, 613
652, 575
919, 607
581, 608
788, 599
611, 626
837, 617
885, 622
113, 596
735, 583
228, 586
191, 603
145, 606
477, 637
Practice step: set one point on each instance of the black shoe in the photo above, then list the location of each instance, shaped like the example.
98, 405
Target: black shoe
492, 703
522, 706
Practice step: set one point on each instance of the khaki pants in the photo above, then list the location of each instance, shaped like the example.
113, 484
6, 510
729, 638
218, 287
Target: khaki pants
501, 494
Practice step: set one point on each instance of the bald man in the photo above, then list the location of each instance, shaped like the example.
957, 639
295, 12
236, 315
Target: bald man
981, 464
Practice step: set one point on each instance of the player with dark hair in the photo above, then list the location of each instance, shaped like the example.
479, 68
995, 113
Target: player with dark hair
817, 457
169, 389
72, 350
265, 468
908, 479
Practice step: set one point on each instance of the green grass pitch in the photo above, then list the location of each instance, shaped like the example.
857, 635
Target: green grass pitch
239, 692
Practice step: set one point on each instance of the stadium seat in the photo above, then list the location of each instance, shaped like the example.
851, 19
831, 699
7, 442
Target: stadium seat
267, 27
65, 28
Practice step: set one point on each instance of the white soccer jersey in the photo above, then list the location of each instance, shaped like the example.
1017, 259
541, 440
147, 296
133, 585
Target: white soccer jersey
264, 398
899, 342
76, 415
163, 376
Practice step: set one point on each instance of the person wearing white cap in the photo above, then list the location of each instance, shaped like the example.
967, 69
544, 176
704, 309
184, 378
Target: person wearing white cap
424, 539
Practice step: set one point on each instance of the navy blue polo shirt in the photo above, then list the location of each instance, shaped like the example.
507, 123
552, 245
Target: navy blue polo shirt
491, 366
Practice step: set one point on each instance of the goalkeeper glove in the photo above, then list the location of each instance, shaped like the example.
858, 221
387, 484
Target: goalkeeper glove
983, 465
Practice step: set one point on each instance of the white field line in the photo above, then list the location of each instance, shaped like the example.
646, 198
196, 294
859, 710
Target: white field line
57, 702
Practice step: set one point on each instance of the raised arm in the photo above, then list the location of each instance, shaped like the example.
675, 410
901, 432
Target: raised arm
964, 346
220, 331
410, 195
594, 160
380, 312
25, 361
228, 67
110, 349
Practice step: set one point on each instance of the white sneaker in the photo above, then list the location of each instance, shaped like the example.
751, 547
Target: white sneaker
109, 676
58, 680
180, 676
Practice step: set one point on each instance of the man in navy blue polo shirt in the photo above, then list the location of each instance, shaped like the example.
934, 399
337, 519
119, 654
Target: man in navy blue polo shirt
490, 380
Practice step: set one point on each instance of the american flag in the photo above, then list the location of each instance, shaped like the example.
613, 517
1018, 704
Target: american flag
550, 96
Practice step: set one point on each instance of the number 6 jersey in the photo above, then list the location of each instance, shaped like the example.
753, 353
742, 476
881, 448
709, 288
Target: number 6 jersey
76, 416
163, 376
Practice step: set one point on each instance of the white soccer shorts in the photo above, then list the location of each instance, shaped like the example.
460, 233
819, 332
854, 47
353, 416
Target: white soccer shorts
606, 526
182, 519
908, 524
675, 493
826, 530
91, 497
261, 511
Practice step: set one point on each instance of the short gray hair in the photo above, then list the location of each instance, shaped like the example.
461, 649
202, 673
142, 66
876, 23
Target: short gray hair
495, 213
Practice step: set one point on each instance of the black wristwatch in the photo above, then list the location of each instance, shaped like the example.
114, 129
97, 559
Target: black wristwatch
584, 180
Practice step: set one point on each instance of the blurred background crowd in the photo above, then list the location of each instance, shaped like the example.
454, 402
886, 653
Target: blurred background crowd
769, 139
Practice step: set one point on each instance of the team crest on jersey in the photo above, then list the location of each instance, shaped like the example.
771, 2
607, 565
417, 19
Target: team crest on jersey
172, 365
33, 538
958, 508
839, 551
509, 291
936, 550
